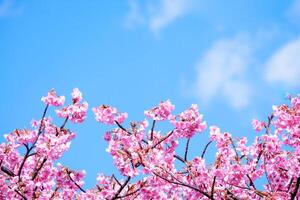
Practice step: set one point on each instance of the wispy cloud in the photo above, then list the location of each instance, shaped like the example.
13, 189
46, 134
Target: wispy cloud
167, 12
156, 16
284, 65
221, 72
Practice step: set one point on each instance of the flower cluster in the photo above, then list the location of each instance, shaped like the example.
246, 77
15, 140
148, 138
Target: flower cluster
257, 125
148, 159
77, 111
109, 115
160, 112
188, 122
52, 99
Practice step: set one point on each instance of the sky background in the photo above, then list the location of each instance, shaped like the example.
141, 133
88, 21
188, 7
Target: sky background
234, 60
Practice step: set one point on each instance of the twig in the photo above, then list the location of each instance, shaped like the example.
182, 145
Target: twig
213, 186
65, 122
7, 171
152, 129
38, 169
180, 158
131, 193
121, 188
79, 187
205, 148
163, 139
185, 185
293, 195
121, 127
28, 150
19, 193
234, 148
251, 182
113, 176
186, 149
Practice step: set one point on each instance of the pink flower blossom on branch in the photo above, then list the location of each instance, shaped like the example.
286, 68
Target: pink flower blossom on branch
53, 99
108, 115
160, 112
146, 158
257, 125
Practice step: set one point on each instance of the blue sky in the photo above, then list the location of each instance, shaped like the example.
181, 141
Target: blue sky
234, 60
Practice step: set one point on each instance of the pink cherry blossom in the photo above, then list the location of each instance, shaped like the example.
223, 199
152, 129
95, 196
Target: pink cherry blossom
108, 115
149, 161
160, 112
53, 99
76, 95
257, 125
188, 122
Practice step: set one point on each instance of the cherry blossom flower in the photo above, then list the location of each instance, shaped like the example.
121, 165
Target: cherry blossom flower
257, 125
160, 112
108, 115
148, 160
53, 99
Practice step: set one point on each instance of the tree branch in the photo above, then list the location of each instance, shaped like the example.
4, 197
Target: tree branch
28, 150
186, 149
205, 148
294, 194
79, 187
184, 184
152, 129
163, 139
121, 188
38, 169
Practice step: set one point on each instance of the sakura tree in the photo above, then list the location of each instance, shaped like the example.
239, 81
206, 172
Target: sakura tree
146, 156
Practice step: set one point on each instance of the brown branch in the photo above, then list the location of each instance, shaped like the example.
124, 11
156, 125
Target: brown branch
121, 127
266, 172
185, 185
294, 194
251, 182
213, 186
28, 150
65, 122
290, 184
205, 148
121, 188
113, 176
19, 193
38, 169
231, 194
234, 148
78, 186
186, 149
131, 193
53, 194
267, 126
152, 129
124, 129
7, 171
180, 158
163, 139
23, 162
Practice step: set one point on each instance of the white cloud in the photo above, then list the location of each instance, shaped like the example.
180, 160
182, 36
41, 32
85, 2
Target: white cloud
167, 12
284, 65
156, 16
221, 72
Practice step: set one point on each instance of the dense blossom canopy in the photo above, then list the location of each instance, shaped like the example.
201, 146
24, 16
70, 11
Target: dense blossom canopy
146, 157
